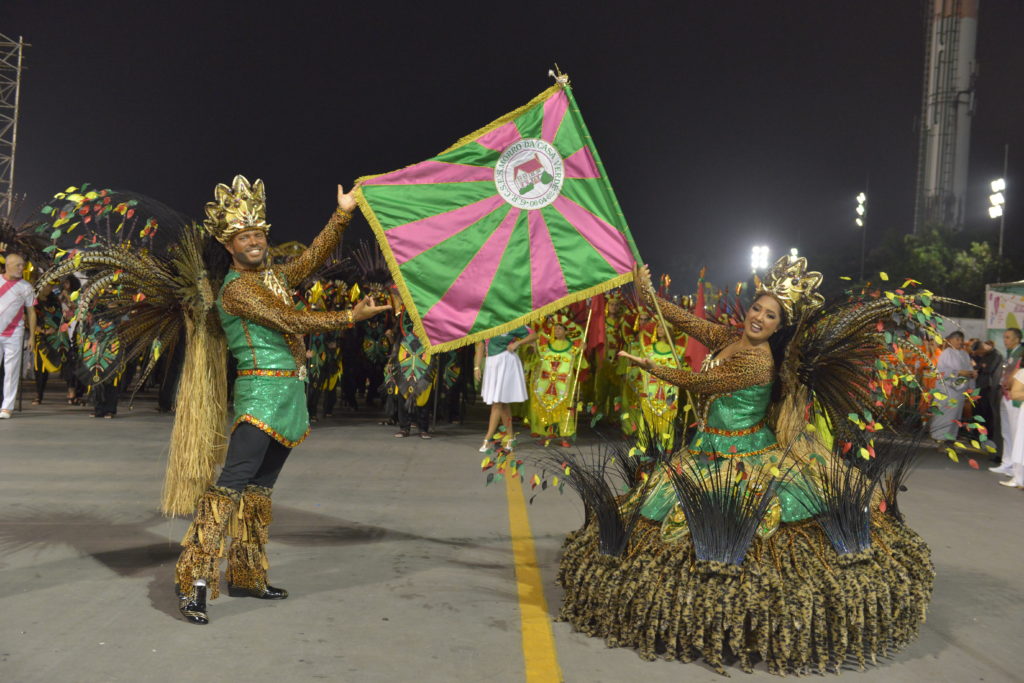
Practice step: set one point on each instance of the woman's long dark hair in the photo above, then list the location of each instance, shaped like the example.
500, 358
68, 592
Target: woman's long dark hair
779, 344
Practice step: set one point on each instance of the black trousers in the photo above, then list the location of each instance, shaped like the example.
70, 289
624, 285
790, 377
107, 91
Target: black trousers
330, 397
457, 394
420, 414
105, 396
254, 457
41, 377
374, 379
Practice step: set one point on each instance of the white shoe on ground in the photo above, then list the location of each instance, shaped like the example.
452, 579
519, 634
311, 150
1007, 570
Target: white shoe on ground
5, 415
485, 447
1001, 469
1011, 483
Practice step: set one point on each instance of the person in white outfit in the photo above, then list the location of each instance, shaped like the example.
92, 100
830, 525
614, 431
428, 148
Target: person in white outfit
956, 373
1007, 411
503, 379
1016, 447
17, 301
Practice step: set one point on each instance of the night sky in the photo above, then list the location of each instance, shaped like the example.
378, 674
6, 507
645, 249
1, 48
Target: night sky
722, 124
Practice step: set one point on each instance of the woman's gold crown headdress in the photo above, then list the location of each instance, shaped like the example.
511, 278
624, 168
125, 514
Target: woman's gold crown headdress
795, 288
236, 209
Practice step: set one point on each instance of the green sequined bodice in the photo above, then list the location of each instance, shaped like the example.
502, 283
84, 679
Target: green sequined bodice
274, 404
253, 346
734, 425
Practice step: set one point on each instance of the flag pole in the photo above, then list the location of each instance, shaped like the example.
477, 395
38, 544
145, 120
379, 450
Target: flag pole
671, 345
433, 392
576, 374
661, 318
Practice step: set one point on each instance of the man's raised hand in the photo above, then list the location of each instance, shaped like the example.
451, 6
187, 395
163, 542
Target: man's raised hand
365, 308
346, 200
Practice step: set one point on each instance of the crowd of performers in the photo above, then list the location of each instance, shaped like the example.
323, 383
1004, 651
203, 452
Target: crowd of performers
750, 513
569, 359
572, 370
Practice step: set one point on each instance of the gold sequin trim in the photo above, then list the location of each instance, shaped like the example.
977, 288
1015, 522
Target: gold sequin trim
735, 432
269, 373
761, 451
267, 429
248, 340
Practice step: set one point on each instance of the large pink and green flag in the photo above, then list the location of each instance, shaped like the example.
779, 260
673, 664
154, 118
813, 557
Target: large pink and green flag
513, 221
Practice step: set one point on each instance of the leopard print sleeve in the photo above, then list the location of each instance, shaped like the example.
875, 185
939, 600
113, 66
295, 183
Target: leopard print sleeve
248, 298
303, 265
744, 369
711, 335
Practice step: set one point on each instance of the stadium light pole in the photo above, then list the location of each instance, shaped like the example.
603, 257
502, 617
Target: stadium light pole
862, 221
997, 200
996, 209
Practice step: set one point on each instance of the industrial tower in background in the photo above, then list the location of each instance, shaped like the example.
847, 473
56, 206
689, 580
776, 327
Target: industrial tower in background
951, 29
11, 56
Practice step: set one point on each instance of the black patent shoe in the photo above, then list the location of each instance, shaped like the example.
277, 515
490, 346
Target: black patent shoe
268, 593
194, 608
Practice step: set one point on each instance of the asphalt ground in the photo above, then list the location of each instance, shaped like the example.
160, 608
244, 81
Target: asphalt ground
400, 563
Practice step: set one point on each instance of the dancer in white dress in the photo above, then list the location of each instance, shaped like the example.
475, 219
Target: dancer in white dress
503, 379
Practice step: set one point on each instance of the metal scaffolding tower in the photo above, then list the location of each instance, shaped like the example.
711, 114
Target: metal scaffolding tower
11, 55
946, 110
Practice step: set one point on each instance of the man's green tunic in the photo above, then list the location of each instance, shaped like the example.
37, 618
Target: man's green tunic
270, 392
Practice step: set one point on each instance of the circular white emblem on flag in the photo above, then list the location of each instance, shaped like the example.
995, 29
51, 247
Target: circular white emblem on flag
529, 174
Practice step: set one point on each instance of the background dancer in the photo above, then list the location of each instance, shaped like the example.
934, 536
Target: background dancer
17, 305
503, 379
956, 373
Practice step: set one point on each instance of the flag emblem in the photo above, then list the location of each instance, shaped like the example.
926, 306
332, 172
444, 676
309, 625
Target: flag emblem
529, 174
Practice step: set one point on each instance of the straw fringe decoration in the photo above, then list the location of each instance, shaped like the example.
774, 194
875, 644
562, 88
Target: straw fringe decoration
199, 437
792, 603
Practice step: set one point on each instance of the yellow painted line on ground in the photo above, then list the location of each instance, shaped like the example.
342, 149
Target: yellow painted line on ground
540, 657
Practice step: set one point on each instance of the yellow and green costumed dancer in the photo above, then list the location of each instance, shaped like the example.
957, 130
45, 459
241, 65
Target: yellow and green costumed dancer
554, 377
656, 401
607, 377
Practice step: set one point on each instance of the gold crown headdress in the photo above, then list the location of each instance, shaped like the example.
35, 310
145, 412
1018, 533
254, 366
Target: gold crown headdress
236, 209
793, 286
